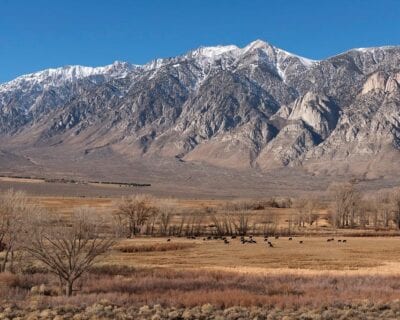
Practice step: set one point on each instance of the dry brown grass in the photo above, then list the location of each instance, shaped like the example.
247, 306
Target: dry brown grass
154, 247
188, 273
181, 206
8, 280
66, 205
315, 274
357, 255
225, 289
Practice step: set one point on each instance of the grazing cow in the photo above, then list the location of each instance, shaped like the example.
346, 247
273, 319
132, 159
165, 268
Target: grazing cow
226, 241
290, 238
345, 241
168, 240
270, 244
233, 237
301, 241
276, 237
339, 240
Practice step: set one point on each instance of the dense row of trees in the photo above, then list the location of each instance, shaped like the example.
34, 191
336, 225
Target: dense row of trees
142, 214
352, 209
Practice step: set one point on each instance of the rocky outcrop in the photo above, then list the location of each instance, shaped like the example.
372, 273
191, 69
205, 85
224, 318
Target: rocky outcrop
316, 111
383, 82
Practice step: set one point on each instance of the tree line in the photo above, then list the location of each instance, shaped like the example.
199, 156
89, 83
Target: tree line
353, 209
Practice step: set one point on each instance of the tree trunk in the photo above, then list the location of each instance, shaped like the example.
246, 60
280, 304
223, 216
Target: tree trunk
61, 284
12, 262
4, 264
68, 288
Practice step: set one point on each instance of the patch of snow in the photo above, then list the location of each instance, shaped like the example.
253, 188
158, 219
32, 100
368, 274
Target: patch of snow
257, 44
280, 70
305, 61
372, 49
62, 75
212, 52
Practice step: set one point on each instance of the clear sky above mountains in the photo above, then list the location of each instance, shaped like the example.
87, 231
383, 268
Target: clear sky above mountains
40, 34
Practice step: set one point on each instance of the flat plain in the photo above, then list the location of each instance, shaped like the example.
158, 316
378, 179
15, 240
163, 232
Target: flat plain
297, 275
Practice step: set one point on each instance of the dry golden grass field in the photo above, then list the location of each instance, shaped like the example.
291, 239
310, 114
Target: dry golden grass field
294, 278
372, 255
358, 255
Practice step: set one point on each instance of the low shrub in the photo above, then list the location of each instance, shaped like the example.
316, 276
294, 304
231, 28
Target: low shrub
9, 280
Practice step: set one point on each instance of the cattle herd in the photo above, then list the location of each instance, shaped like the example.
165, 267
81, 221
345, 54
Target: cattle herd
251, 239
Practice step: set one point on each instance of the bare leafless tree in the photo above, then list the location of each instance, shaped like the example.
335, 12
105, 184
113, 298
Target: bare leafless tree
240, 221
270, 224
68, 248
301, 211
312, 211
346, 201
384, 207
364, 212
165, 220
14, 208
178, 229
166, 209
218, 223
134, 212
395, 201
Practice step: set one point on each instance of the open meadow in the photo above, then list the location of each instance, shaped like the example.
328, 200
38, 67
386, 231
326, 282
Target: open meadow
202, 259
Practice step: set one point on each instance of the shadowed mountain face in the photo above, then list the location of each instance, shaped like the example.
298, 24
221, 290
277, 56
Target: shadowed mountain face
253, 107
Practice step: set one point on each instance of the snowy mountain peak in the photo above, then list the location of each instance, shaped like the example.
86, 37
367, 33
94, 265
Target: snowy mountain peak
257, 44
210, 52
204, 55
59, 76
274, 54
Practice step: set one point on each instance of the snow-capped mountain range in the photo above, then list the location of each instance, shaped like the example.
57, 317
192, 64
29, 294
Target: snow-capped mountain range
204, 56
252, 107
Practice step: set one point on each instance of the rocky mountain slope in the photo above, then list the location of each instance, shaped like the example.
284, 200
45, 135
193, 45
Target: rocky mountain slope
253, 107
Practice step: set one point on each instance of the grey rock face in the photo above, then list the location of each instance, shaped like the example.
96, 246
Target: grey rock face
256, 106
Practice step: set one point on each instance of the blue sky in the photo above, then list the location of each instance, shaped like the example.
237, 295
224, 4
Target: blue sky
38, 34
